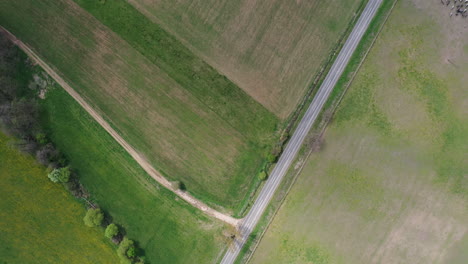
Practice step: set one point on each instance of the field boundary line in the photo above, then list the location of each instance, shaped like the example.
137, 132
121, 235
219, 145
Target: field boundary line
322, 130
128, 148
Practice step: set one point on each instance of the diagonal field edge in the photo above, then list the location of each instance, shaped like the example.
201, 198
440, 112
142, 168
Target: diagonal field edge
128, 148
248, 223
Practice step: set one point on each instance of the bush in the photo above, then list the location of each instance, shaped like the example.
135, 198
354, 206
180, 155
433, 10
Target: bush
60, 175
93, 217
125, 260
271, 158
111, 231
131, 252
126, 248
262, 175
22, 117
76, 189
47, 154
141, 260
178, 185
41, 138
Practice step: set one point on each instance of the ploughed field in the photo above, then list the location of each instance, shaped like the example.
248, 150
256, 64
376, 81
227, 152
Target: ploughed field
270, 48
190, 122
40, 221
390, 183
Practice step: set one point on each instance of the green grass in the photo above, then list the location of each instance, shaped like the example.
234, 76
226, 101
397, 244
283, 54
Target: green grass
390, 184
331, 105
205, 83
168, 230
40, 221
191, 123
271, 49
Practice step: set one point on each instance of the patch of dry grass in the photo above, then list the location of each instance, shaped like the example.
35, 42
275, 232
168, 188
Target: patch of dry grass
271, 49
390, 185
214, 153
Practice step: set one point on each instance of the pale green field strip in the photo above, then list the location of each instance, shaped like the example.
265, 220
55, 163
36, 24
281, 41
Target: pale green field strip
176, 132
165, 227
390, 183
128, 148
40, 222
270, 48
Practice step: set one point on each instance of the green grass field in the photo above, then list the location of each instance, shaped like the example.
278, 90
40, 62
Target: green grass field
40, 222
166, 228
390, 184
271, 48
191, 123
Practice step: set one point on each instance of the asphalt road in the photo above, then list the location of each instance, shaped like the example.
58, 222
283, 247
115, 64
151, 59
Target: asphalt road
248, 223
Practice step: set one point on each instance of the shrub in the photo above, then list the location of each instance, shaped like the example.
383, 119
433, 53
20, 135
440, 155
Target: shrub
262, 175
60, 175
125, 249
93, 217
131, 253
47, 154
178, 185
141, 260
41, 138
22, 116
111, 231
125, 260
271, 158
77, 189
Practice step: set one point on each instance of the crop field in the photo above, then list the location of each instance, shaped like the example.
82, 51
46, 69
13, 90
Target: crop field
40, 221
167, 229
270, 48
390, 183
194, 126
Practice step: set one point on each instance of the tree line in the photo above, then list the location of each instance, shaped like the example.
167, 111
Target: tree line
20, 118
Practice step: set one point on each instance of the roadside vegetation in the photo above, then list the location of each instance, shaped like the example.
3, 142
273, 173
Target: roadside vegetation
388, 184
167, 103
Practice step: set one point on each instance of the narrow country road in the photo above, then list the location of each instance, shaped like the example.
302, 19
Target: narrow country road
247, 224
135, 155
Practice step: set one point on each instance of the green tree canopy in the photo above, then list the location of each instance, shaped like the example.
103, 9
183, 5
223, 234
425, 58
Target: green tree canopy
262, 175
93, 217
131, 252
125, 249
60, 175
111, 231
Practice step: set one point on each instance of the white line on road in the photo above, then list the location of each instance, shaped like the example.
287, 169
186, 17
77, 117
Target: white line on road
248, 223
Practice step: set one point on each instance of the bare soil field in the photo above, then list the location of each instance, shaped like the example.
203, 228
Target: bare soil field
271, 49
390, 182
216, 153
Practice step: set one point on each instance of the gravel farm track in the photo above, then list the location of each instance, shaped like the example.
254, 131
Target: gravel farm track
135, 155
247, 224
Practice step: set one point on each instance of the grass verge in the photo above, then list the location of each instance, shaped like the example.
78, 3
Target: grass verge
389, 184
318, 129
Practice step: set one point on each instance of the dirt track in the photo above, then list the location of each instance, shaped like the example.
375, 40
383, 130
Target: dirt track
135, 155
